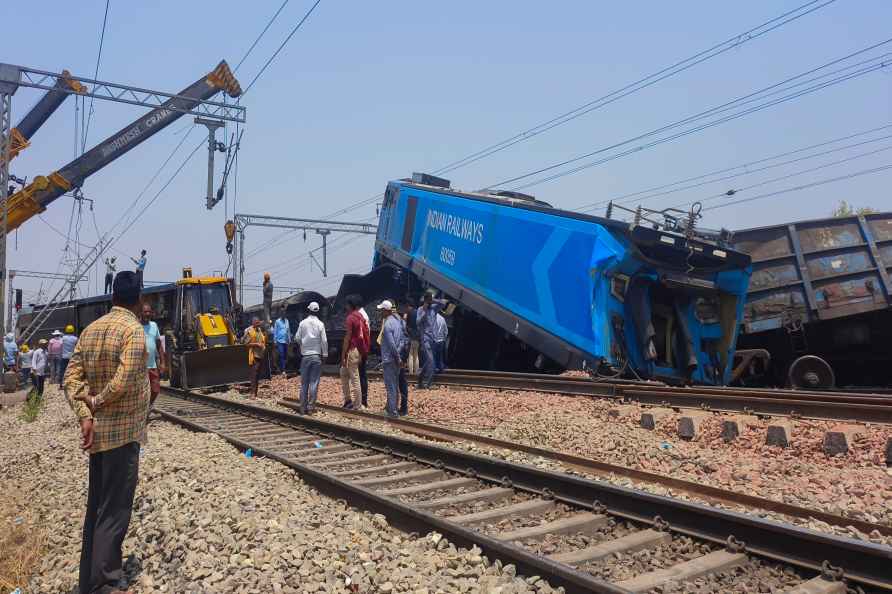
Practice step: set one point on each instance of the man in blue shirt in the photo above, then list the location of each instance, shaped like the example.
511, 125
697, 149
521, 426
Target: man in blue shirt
69, 341
155, 351
282, 336
393, 342
140, 266
426, 317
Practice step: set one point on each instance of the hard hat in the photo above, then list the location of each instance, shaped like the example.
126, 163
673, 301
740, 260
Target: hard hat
56, 333
313, 306
69, 329
41, 342
10, 336
25, 348
386, 305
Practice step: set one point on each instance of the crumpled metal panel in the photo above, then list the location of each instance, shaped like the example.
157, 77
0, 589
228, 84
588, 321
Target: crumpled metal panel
763, 244
880, 226
829, 235
886, 254
766, 276
838, 263
775, 304
844, 292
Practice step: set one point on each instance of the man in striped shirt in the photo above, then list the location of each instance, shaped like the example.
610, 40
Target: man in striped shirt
107, 387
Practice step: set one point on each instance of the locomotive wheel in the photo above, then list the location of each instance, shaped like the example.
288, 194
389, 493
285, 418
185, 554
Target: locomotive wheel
811, 373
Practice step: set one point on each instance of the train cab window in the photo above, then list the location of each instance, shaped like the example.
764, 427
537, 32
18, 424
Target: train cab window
618, 285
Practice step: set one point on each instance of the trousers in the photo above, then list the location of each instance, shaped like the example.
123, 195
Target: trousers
310, 372
63, 365
350, 379
52, 367
38, 383
428, 363
391, 384
282, 352
412, 363
113, 477
109, 278
404, 391
440, 355
363, 383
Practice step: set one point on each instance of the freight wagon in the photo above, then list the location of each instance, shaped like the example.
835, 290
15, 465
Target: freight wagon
819, 304
551, 289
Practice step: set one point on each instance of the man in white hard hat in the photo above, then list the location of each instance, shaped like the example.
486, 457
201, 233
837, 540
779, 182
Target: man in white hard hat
393, 341
313, 348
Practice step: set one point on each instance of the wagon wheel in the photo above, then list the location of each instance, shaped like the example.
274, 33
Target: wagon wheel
811, 373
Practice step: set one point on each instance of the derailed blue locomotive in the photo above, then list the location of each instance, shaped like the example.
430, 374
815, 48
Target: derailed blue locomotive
577, 291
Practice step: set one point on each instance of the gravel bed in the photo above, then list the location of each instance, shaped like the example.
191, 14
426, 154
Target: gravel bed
208, 519
856, 485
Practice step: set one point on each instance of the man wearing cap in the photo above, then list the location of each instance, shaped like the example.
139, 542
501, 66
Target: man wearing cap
10, 352
393, 341
38, 366
69, 340
54, 356
313, 348
107, 387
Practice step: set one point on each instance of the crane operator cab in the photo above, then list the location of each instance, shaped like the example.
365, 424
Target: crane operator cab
203, 348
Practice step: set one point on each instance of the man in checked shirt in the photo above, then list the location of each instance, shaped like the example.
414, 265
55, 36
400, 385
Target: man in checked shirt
107, 387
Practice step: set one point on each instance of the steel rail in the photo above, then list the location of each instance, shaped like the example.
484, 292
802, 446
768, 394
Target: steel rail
832, 406
441, 433
865, 563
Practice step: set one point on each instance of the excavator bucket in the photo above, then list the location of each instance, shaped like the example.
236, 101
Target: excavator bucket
219, 366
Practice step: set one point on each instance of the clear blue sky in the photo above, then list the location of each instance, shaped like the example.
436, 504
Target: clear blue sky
371, 91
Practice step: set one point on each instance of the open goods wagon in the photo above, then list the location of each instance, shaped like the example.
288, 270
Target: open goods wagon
551, 289
819, 304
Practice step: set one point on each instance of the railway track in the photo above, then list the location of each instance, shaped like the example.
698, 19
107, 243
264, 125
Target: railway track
835, 406
556, 526
448, 434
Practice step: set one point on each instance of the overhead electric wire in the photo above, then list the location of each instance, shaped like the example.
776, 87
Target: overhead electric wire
661, 190
281, 46
259, 37
731, 43
802, 187
735, 191
865, 67
676, 68
86, 130
151, 180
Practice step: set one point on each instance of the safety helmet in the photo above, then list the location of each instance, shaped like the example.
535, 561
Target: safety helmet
69, 329
25, 348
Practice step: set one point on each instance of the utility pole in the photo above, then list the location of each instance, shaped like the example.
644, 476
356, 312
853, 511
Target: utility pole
321, 227
9, 302
213, 146
9, 83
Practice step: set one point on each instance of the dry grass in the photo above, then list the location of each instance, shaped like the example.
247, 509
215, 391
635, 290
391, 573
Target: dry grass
22, 542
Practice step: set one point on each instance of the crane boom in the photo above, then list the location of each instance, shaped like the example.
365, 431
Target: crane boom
36, 196
40, 113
